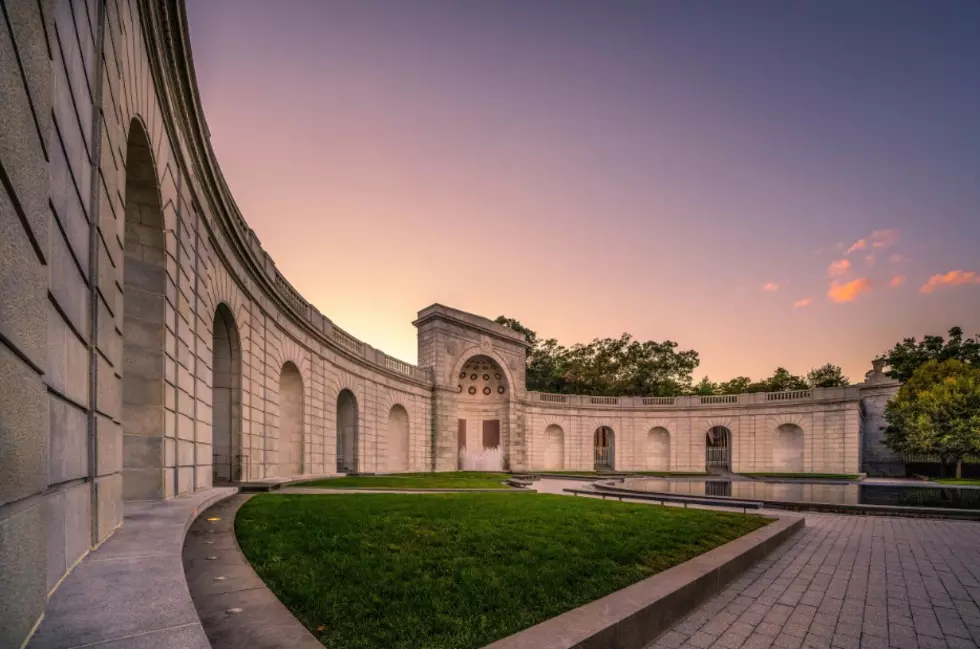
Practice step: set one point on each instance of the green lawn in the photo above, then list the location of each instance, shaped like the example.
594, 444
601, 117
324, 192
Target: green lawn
616, 474
804, 476
459, 570
452, 480
966, 482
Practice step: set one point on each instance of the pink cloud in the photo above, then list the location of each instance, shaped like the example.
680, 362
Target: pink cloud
850, 291
838, 268
952, 278
870, 260
896, 281
884, 238
877, 240
898, 258
807, 301
770, 287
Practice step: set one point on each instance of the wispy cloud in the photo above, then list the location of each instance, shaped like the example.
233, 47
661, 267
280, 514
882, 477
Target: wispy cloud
770, 287
898, 258
896, 281
952, 278
838, 268
799, 304
870, 260
877, 240
850, 291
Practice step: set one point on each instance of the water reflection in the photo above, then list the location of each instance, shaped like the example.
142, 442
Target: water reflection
814, 492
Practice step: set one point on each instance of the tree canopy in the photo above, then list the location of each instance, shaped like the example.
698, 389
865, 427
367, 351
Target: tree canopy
910, 354
627, 367
937, 412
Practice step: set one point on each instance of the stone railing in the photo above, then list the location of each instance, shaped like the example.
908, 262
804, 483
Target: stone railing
348, 341
697, 401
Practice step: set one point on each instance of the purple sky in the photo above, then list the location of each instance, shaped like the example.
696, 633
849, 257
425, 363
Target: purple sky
685, 170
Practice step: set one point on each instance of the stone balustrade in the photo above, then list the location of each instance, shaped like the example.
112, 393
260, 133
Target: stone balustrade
695, 401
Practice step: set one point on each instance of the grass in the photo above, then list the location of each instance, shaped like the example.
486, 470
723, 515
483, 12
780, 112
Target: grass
804, 476
664, 474
452, 480
968, 482
459, 570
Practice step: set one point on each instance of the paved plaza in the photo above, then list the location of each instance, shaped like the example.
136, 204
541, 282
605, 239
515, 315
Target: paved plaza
850, 582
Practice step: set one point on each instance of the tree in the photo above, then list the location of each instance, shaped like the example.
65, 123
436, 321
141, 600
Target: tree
737, 385
828, 376
937, 412
704, 387
780, 381
606, 366
909, 355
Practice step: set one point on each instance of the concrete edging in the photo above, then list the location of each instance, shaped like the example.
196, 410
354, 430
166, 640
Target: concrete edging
634, 616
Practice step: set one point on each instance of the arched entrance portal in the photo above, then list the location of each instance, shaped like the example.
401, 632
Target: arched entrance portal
481, 410
291, 420
346, 432
605, 449
228, 461
718, 448
397, 439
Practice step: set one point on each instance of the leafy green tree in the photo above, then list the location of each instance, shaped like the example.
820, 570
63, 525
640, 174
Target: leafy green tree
738, 385
780, 381
909, 355
606, 366
937, 412
828, 376
704, 387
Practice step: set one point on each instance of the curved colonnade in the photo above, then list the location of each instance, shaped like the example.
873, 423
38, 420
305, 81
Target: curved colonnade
149, 347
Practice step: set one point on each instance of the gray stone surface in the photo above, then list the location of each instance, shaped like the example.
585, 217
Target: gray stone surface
22, 572
131, 592
229, 582
850, 582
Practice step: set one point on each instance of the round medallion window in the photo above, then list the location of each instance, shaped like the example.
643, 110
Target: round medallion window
497, 376
462, 375
487, 390
486, 377
472, 377
485, 366
500, 389
472, 389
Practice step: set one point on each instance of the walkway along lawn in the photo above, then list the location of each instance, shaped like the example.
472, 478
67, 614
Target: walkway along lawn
455, 480
459, 570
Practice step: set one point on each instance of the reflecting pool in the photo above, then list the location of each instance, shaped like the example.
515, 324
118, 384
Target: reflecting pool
815, 492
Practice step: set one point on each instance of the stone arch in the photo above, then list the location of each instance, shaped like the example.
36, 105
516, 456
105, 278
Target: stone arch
604, 446
476, 350
229, 461
718, 445
291, 419
554, 448
398, 439
658, 449
788, 455
348, 422
144, 312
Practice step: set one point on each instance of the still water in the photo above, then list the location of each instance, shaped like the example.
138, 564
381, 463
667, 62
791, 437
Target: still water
814, 492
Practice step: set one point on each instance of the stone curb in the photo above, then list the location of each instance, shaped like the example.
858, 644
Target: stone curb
634, 616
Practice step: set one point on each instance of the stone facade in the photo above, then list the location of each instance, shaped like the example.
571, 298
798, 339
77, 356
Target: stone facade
149, 345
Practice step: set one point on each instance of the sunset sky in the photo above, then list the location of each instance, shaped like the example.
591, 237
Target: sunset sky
769, 183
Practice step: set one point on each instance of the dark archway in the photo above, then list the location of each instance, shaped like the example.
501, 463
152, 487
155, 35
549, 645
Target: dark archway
718, 448
229, 462
144, 313
290, 420
605, 449
347, 447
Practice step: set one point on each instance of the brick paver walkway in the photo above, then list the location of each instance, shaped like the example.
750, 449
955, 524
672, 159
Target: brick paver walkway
850, 582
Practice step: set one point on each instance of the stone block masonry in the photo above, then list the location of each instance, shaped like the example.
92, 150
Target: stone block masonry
149, 347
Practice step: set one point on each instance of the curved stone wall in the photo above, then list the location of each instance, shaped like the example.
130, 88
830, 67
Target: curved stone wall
149, 345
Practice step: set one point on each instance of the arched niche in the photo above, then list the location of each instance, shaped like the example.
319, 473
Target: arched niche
788, 449
290, 420
554, 448
398, 450
658, 449
347, 433
229, 462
